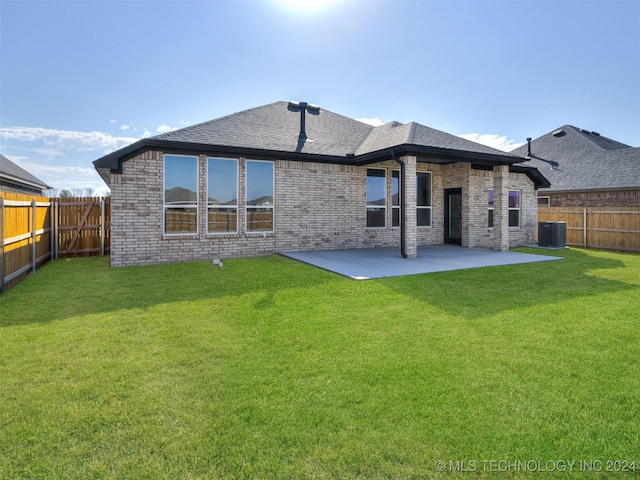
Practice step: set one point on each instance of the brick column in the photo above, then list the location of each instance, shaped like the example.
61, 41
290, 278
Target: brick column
500, 208
410, 220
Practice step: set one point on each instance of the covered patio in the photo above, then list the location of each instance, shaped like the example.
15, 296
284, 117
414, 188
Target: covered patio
367, 263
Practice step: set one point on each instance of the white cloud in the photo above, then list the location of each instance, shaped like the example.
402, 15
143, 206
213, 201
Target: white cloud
164, 129
63, 176
49, 152
67, 139
376, 122
60, 171
499, 142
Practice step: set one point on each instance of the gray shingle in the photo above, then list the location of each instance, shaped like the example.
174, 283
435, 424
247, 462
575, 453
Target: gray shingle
276, 127
575, 159
11, 171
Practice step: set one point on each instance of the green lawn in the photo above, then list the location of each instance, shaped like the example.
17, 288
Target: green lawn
268, 368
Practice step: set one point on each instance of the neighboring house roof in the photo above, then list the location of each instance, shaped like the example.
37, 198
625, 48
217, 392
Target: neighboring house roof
180, 195
274, 130
13, 174
576, 159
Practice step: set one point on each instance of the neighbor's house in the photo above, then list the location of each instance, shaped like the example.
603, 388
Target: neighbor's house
585, 169
293, 177
16, 179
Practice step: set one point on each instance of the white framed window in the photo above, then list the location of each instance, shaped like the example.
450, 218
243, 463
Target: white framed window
544, 201
423, 199
222, 195
376, 197
514, 208
395, 198
180, 203
259, 196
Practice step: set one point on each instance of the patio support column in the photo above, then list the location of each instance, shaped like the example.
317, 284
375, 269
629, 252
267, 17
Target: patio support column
410, 222
501, 208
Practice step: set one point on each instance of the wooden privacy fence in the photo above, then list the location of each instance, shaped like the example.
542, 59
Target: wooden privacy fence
598, 227
25, 235
34, 229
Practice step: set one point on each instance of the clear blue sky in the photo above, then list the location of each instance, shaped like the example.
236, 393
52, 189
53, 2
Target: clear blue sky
82, 78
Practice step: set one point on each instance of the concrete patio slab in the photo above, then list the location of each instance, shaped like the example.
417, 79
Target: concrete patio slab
366, 263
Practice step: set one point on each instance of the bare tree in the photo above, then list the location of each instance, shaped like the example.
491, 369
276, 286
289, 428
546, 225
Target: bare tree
82, 192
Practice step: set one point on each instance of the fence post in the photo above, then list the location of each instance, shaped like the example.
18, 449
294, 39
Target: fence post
584, 228
57, 224
51, 231
102, 211
1, 244
34, 228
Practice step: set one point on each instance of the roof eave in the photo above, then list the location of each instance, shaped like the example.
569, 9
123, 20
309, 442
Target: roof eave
538, 179
113, 161
26, 183
440, 155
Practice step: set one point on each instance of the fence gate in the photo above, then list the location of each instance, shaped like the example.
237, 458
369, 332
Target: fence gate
83, 226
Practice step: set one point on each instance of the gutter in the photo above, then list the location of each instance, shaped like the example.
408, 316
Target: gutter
403, 251
441, 155
114, 160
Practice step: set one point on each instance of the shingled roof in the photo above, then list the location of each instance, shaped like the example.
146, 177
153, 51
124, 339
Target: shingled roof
12, 174
273, 131
577, 159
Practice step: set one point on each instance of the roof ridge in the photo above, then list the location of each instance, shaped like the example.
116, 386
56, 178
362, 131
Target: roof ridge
596, 139
412, 132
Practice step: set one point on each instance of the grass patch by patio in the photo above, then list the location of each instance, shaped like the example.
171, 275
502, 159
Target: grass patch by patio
269, 368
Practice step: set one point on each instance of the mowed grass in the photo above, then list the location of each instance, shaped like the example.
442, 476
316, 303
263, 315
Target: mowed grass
269, 368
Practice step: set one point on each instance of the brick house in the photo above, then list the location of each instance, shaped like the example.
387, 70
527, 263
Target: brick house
16, 179
585, 169
294, 177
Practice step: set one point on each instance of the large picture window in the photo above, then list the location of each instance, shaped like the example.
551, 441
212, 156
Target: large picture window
259, 196
180, 195
222, 195
423, 200
395, 198
376, 198
514, 208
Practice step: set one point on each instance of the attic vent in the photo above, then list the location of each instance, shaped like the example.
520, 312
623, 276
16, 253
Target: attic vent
559, 133
595, 134
585, 131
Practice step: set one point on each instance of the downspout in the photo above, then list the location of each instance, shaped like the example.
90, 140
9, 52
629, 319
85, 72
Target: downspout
402, 204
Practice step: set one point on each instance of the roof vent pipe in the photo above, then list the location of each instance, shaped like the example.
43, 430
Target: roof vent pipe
528, 157
303, 107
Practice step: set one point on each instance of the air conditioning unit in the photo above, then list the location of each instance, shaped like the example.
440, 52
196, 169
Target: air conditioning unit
552, 234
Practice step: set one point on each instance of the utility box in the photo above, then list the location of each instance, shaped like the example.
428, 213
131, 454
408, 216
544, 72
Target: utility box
552, 234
